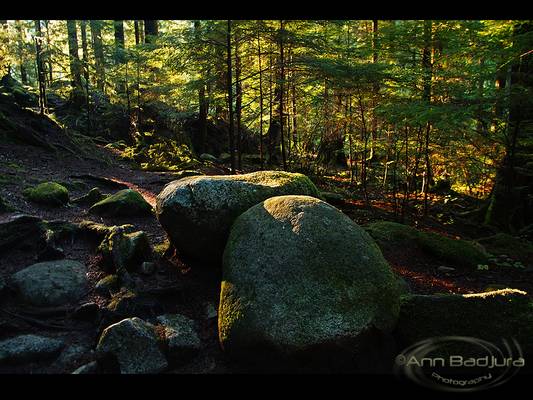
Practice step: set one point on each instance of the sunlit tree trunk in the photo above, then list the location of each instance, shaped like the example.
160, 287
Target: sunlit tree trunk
20, 51
40, 67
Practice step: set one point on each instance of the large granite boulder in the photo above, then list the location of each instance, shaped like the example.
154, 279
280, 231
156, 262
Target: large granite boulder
301, 280
197, 212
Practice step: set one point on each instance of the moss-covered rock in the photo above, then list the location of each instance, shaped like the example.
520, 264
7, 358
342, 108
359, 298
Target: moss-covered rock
332, 198
52, 283
503, 243
302, 280
49, 193
135, 345
492, 316
125, 251
107, 285
91, 197
98, 232
127, 202
197, 212
456, 251
20, 230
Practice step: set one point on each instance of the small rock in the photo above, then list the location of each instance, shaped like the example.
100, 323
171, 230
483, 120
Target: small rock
182, 340
90, 368
210, 311
127, 303
208, 157
28, 348
51, 253
52, 283
147, 268
93, 196
134, 343
71, 354
125, 251
107, 285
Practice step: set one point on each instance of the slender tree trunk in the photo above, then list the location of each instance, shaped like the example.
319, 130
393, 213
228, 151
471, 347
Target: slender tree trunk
230, 97
40, 68
261, 157
282, 79
137, 33
202, 104
75, 68
238, 103
428, 74
151, 30
20, 47
48, 55
119, 55
85, 58
270, 104
96, 36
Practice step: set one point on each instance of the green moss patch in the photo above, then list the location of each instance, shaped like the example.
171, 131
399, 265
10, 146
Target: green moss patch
503, 243
456, 251
127, 202
492, 316
49, 193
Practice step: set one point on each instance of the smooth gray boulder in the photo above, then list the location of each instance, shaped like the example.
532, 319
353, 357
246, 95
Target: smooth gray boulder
302, 280
51, 283
27, 348
197, 212
134, 343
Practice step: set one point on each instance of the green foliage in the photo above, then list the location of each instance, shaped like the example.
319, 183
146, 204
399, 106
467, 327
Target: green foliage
163, 155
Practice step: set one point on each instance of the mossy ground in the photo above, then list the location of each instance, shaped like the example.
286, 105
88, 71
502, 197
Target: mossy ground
456, 251
503, 243
493, 316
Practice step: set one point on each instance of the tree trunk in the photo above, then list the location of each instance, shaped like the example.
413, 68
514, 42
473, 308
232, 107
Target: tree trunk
510, 205
48, 55
261, 157
428, 74
40, 68
238, 103
119, 55
96, 36
282, 79
75, 70
20, 47
230, 96
151, 30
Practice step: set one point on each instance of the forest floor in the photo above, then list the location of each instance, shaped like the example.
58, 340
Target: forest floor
192, 290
